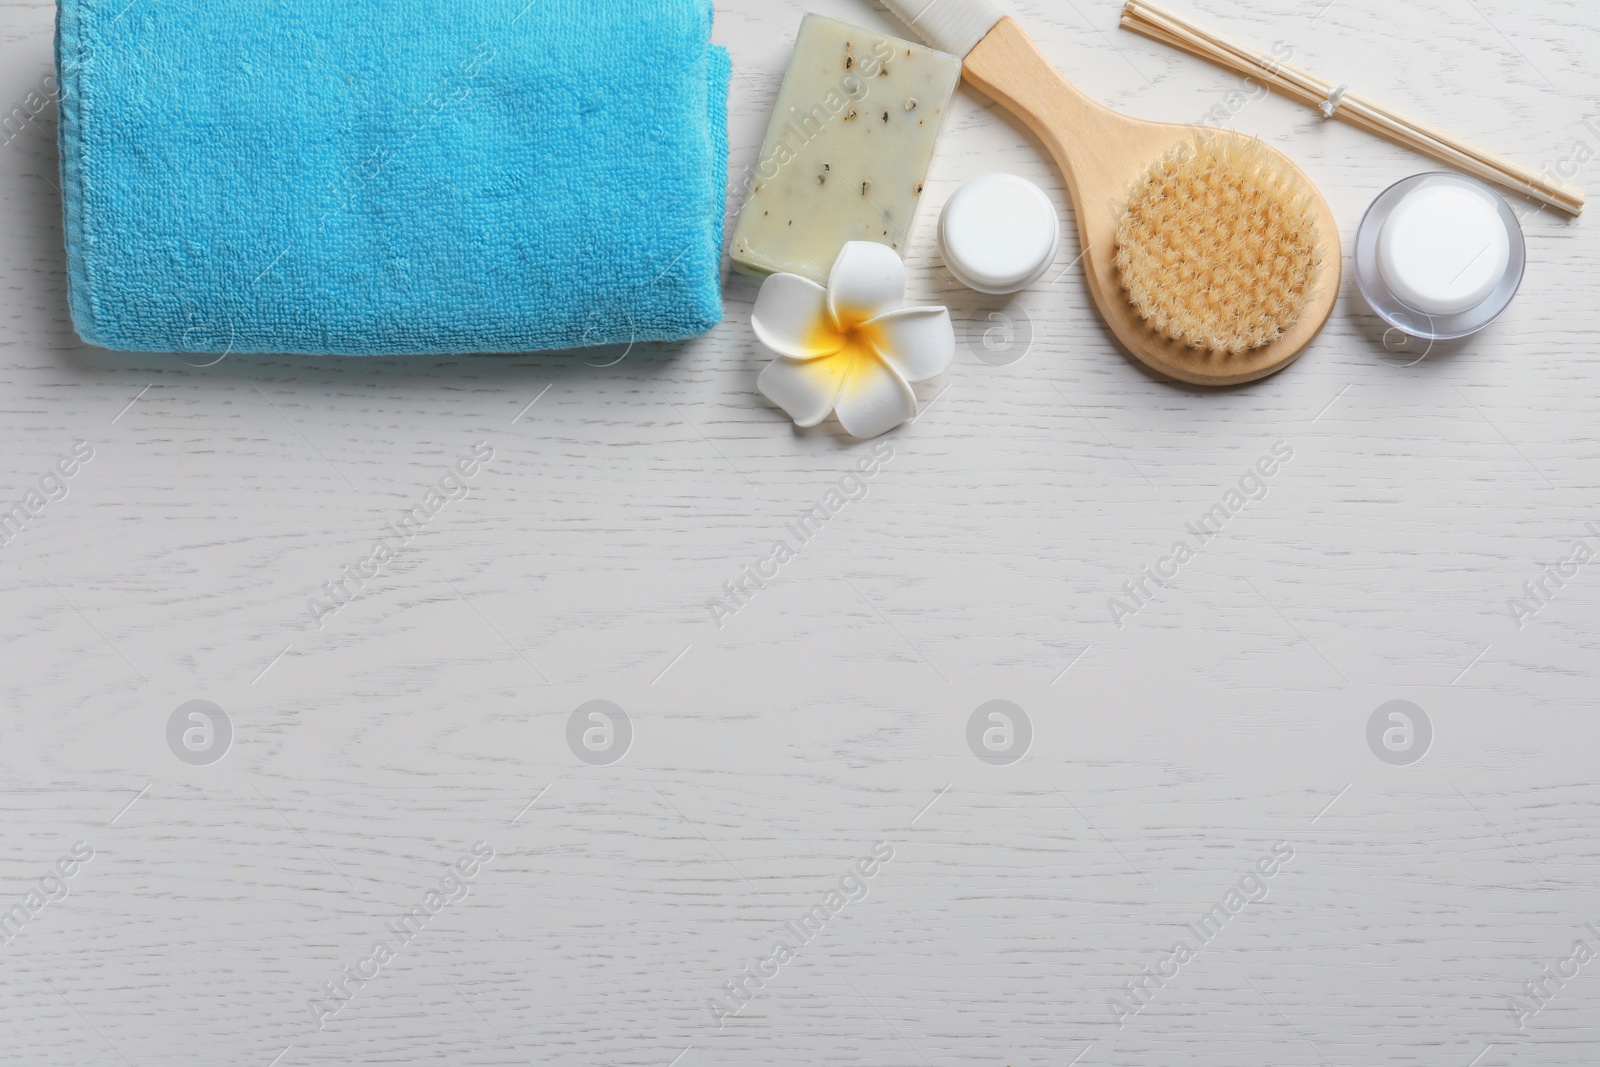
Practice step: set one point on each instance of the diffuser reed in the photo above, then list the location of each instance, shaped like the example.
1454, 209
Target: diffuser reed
1335, 102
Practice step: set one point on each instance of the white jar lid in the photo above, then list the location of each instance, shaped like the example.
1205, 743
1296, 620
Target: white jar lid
999, 233
1443, 249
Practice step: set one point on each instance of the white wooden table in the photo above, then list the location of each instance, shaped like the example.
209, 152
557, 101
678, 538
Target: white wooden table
829, 717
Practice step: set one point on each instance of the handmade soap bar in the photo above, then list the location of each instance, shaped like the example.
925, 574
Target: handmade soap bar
847, 149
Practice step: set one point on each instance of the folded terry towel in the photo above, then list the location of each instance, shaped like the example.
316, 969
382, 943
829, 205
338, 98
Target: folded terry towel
391, 176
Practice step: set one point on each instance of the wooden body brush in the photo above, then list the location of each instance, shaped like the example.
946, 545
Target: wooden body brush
1211, 256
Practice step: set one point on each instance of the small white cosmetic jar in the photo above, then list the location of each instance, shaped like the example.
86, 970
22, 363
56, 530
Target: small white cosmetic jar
1439, 256
999, 234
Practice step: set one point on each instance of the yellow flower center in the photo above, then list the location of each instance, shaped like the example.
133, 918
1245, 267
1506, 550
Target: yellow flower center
857, 340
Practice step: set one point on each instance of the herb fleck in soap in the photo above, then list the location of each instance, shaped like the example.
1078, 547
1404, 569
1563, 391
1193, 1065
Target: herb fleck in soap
847, 150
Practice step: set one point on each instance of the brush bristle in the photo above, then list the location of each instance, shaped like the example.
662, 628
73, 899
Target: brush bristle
954, 26
1219, 246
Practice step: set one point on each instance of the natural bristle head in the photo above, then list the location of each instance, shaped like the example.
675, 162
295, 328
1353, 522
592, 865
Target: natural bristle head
1219, 246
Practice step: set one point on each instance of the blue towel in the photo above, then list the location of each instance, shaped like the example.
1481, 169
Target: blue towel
391, 176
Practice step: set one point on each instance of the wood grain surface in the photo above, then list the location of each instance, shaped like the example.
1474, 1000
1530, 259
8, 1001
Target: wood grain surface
1175, 741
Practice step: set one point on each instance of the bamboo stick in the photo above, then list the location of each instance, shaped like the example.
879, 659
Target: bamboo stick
1337, 102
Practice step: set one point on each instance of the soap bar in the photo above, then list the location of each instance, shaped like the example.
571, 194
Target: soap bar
847, 150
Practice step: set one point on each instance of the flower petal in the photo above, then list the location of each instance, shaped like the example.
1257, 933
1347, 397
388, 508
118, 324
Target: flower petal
805, 389
867, 280
875, 399
791, 317
917, 342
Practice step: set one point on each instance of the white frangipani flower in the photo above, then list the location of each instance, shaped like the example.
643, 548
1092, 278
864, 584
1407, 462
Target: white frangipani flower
850, 349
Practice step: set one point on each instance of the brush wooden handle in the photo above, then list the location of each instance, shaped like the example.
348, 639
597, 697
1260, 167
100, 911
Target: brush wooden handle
1102, 154
1009, 68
